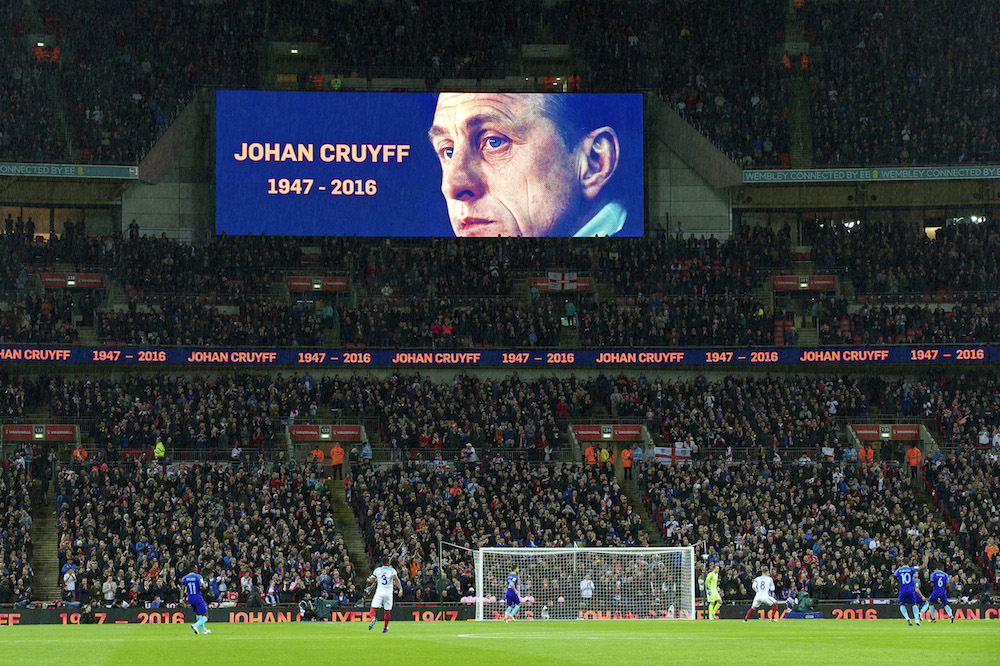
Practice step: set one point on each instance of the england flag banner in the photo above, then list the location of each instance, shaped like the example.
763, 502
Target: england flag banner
562, 281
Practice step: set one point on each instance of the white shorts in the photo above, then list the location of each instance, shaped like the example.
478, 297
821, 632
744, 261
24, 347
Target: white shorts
768, 601
382, 600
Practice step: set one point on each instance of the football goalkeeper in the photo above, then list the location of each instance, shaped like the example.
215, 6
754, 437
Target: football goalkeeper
713, 597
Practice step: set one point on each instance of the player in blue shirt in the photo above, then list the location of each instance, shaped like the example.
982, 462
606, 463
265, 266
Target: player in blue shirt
939, 595
513, 597
192, 585
908, 592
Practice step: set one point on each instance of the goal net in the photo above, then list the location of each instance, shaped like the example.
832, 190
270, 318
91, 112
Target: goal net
588, 583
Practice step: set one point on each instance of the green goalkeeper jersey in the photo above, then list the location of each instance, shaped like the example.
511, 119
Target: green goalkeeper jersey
712, 582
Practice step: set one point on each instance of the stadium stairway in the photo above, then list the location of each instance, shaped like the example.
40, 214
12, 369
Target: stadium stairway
799, 125
631, 490
86, 335
799, 119
45, 558
280, 293
58, 111
764, 294
347, 526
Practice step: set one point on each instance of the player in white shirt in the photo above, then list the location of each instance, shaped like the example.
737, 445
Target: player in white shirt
763, 594
383, 579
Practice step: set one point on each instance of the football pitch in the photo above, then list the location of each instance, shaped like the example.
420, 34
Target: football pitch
472, 644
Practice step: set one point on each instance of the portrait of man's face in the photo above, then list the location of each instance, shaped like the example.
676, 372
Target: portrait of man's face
506, 170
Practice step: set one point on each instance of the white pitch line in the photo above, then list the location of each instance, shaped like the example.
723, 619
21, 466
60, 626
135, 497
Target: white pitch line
618, 637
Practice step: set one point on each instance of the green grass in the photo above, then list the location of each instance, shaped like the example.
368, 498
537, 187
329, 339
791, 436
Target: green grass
472, 644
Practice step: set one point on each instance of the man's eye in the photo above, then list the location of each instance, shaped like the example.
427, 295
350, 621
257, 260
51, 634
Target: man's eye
495, 142
448, 152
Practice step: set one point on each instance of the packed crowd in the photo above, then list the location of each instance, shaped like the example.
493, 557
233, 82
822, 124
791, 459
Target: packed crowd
712, 320
13, 397
833, 531
696, 266
128, 71
206, 417
178, 321
420, 417
16, 575
128, 535
965, 409
975, 319
419, 322
877, 100
734, 94
764, 414
695, 291
28, 129
416, 415
225, 270
420, 40
408, 507
966, 487
896, 258
46, 320
13, 275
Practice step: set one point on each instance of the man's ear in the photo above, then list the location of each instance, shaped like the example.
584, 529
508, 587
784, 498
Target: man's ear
600, 152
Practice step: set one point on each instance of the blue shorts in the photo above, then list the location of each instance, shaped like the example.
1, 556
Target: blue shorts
199, 606
938, 597
512, 598
909, 597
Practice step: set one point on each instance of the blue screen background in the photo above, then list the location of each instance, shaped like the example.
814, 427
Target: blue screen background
409, 200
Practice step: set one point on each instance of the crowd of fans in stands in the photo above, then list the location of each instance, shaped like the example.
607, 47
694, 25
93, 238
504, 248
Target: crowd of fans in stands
877, 100
16, 550
874, 98
13, 398
177, 321
381, 322
408, 507
713, 320
966, 487
973, 318
964, 409
28, 128
265, 533
206, 417
896, 258
764, 414
47, 320
668, 291
833, 531
418, 416
127, 76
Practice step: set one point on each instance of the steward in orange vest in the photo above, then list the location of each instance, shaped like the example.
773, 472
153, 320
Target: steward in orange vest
337, 459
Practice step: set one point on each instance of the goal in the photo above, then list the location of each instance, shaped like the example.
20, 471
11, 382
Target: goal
588, 583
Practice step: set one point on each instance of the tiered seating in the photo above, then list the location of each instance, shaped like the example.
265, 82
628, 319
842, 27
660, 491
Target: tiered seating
409, 506
835, 531
868, 58
16, 550
966, 489
248, 528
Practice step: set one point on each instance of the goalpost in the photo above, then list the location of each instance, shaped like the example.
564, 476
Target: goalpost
555, 583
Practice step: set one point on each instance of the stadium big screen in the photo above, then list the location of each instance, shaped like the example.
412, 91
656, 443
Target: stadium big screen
421, 164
